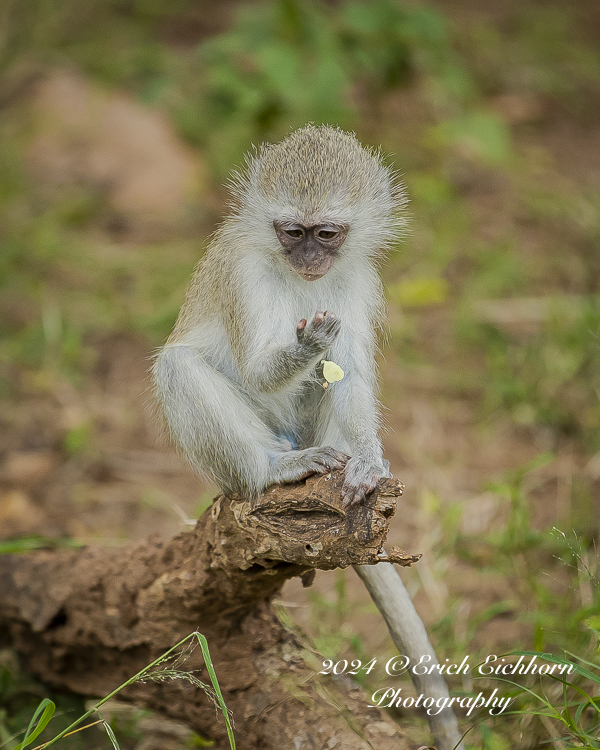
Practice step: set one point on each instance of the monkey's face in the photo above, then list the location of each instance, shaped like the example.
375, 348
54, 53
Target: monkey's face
311, 251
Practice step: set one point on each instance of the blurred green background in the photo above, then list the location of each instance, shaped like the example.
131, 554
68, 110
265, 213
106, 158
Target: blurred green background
120, 121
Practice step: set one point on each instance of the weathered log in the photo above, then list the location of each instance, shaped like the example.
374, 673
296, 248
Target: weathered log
89, 619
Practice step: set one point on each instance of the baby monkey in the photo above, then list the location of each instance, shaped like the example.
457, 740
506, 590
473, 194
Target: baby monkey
240, 380
289, 280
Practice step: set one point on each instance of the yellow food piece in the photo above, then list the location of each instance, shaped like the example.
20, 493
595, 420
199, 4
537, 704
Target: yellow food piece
331, 371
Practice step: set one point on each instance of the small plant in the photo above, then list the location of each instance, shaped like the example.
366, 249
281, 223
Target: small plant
578, 714
157, 671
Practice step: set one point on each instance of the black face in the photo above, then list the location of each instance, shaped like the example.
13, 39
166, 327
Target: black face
311, 251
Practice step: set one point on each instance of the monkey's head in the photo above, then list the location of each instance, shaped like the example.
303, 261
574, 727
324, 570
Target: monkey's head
318, 198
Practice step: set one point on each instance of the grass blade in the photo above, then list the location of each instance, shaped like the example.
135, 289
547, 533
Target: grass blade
43, 713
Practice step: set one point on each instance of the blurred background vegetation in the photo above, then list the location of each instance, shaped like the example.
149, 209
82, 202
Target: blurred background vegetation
119, 123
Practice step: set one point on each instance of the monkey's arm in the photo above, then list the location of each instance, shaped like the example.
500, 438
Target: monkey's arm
357, 413
271, 367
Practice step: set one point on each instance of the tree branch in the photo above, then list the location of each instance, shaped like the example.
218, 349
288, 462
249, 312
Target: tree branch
88, 619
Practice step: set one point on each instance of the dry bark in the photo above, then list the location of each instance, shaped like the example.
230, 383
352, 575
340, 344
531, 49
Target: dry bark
89, 619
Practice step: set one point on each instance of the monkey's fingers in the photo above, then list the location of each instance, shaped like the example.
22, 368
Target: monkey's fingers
331, 459
332, 324
354, 497
355, 490
323, 317
300, 329
325, 326
324, 460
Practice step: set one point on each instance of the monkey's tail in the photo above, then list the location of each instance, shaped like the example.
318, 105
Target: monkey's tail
410, 637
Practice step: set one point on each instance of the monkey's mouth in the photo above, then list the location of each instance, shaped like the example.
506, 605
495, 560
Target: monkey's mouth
311, 268
311, 276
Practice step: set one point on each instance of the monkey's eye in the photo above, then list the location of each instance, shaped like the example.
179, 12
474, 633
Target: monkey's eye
327, 234
294, 233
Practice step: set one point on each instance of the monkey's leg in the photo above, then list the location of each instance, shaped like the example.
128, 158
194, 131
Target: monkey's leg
217, 428
410, 637
353, 415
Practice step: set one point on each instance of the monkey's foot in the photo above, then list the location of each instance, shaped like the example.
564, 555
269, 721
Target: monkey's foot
361, 479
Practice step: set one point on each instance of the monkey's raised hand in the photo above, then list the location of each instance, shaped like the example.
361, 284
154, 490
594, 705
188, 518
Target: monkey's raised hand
320, 334
362, 476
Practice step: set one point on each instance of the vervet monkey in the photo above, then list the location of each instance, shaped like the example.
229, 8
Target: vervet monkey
289, 281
